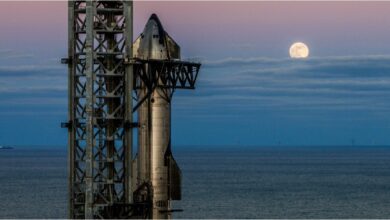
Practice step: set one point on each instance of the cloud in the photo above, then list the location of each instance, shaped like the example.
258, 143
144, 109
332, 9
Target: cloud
239, 86
231, 61
5, 51
6, 54
236, 61
29, 70
33, 89
346, 83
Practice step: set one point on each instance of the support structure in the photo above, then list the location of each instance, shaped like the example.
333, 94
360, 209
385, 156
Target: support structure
100, 108
107, 84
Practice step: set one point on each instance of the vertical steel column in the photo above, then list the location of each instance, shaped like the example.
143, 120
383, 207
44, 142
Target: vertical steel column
89, 66
129, 78
77, 97
71, 135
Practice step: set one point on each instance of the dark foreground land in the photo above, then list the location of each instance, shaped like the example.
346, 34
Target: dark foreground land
241, 182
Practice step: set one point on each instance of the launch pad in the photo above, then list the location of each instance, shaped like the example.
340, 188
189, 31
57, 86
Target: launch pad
111, 80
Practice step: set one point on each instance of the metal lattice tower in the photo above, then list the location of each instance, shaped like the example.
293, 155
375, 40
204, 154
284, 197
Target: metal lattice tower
105, 82
100, 109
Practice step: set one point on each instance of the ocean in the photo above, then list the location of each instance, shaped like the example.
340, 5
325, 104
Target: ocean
234, 182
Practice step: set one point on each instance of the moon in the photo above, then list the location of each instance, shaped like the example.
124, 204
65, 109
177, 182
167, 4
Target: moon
299, 50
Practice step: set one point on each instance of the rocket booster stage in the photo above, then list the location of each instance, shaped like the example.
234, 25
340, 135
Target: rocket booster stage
158, 178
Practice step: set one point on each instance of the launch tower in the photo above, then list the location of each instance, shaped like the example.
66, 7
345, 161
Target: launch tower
108, 86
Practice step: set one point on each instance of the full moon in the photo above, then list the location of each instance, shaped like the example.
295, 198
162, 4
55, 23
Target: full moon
299, 50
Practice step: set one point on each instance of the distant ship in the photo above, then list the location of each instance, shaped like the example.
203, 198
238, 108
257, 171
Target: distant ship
5, 147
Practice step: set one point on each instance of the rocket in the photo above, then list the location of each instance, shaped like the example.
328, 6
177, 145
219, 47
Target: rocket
156, 175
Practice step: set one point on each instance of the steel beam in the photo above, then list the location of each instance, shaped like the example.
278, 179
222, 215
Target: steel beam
129, 79
71, 134
89, 109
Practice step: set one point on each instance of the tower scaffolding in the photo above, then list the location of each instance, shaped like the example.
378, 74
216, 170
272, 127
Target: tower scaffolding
100, 109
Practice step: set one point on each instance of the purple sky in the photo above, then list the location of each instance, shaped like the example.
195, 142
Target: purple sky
248, 91
220, 29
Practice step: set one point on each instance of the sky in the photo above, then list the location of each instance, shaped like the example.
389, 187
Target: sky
249, 91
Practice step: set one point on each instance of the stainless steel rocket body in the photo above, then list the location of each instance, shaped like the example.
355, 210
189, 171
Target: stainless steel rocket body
154, 162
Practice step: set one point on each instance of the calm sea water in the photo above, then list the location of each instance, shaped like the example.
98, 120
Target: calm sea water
281, 182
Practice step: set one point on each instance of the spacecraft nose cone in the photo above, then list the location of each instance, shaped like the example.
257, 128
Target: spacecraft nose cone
154, 17
155, 43
154, 27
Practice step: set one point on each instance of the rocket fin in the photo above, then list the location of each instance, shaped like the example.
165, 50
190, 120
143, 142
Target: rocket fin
173, 47
174, 175
174, 178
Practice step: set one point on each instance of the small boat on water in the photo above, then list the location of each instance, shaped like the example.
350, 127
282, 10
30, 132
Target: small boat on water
5, 147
